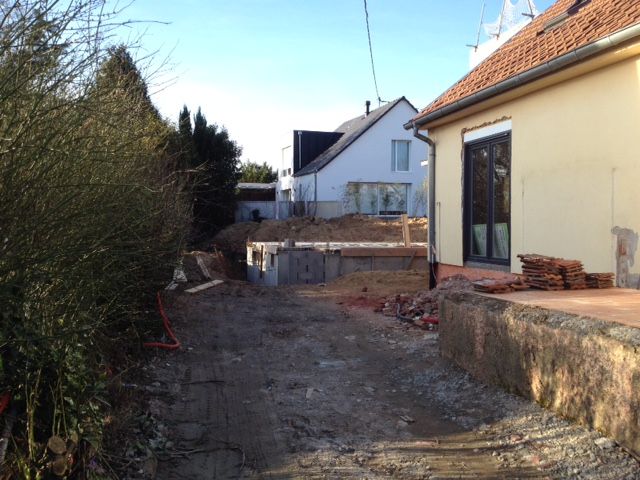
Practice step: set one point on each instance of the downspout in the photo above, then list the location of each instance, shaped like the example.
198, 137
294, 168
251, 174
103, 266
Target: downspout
315, 192
433, 261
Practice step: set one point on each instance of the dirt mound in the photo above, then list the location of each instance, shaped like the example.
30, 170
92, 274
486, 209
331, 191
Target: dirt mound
348, 228
381, 282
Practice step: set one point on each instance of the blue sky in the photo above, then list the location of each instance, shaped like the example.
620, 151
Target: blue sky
262, 68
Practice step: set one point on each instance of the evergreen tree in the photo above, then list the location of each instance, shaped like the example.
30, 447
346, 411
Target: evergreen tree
216, 158
252, 172
184, 124
120, 75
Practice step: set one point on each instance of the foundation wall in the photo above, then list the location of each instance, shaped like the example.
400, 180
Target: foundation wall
586, 370
271, 265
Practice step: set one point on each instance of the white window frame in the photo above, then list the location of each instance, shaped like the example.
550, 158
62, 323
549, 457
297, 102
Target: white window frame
394, 156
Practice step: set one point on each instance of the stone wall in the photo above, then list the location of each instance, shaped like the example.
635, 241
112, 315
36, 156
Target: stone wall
585, 369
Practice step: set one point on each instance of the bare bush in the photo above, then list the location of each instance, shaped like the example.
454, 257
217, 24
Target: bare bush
92, 216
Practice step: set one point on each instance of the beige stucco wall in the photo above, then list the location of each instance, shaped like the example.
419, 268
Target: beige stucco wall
575, 169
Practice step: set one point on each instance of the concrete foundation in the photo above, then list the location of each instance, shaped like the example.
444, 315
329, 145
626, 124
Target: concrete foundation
585, 369
273, 263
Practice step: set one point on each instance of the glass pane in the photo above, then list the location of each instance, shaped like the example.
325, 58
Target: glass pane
501, 199
393, 198
402, 156
479, 200
361, 198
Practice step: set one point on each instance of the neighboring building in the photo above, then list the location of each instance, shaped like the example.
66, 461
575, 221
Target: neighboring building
255, 201
256, 192
537, 147
369, 165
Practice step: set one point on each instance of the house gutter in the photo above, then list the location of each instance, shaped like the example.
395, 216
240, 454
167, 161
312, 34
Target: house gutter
553, 66
433, 261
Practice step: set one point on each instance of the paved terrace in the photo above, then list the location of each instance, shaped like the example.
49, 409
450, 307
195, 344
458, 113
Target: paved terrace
619, 305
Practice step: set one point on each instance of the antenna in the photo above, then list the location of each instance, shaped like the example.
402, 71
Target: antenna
475, 46
510, 20
501, 18
531, 15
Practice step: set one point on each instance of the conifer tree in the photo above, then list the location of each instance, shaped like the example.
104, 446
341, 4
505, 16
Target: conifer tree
216, 158
253, 172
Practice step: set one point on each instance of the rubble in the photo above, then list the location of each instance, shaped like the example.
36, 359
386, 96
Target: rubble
423, 306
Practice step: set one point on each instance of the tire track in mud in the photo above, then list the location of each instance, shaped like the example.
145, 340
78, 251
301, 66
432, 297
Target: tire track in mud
274, 384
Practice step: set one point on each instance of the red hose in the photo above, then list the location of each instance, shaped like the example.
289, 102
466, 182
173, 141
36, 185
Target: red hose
167, 328
4, 401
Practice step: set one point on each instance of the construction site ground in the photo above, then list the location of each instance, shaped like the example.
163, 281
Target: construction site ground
309, 382
348, 228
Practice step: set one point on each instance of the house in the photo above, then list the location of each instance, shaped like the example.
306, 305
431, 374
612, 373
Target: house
369, 165
536, 149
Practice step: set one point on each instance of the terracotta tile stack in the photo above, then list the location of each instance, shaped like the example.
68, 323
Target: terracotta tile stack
499, 286
600, 280
573, 274
541, 272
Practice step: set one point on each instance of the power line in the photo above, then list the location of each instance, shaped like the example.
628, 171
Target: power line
373, 68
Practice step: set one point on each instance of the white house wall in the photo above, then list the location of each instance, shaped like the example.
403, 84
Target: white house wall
285, 163
368, 159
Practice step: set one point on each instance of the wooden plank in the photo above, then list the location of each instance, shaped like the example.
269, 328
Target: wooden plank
384, 252
406, 233
204, 286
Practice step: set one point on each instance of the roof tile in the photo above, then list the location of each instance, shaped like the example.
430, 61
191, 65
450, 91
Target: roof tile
534, 46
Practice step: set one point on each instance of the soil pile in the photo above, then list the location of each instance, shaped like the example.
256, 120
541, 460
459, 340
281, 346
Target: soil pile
380, 283
348, 228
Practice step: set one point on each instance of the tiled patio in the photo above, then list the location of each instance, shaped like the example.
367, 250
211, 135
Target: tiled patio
612, 304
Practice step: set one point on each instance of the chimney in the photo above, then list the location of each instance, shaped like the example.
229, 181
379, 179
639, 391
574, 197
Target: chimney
367, 104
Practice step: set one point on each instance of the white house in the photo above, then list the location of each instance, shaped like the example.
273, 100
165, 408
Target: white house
369, 164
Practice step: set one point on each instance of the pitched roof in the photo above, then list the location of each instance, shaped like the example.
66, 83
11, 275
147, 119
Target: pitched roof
352, 130
563, 28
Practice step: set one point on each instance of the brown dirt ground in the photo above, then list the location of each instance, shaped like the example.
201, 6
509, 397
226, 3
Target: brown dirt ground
349, 228
294, 382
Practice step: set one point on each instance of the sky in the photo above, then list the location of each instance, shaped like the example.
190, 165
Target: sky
262, 68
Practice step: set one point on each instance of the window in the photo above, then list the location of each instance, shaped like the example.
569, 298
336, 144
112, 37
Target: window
400, 155
376, 198
487, 192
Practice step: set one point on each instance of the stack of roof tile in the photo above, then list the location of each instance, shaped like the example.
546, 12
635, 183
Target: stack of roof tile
599, 280
573, 274
541, 272
499, 286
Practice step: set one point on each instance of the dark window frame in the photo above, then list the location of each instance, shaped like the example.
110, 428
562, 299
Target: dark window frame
467, 231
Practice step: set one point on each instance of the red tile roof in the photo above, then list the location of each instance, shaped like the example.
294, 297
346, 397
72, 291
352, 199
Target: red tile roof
534, 46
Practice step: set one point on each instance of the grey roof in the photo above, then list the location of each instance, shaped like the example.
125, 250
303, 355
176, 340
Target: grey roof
352, 130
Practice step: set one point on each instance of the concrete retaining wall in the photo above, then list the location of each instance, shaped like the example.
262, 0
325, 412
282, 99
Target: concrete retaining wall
584, 369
